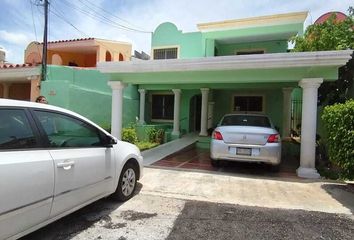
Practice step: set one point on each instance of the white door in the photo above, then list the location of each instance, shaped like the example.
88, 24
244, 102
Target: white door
26, 174
83, 167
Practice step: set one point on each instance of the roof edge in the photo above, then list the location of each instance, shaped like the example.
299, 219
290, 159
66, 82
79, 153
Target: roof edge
296, 17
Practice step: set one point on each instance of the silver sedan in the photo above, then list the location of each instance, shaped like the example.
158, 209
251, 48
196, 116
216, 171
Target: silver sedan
246, 138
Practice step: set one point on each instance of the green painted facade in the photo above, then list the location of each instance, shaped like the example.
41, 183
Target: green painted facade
226, 84
86, 92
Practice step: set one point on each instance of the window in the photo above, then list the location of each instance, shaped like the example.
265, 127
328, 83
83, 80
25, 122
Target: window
245, 120
65, 131
15, 130
162, 106
248, 104
250, 52
165, 53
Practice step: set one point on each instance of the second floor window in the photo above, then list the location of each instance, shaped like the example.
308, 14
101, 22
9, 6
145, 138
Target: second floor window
165, 53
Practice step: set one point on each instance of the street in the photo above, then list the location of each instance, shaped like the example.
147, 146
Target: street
157, 212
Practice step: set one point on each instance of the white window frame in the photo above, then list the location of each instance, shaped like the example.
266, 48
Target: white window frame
249, 95
165, 47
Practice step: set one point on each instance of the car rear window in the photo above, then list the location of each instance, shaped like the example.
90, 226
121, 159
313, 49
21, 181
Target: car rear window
245, 120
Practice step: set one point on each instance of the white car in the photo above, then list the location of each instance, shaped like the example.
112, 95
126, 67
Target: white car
53, 162
246, 138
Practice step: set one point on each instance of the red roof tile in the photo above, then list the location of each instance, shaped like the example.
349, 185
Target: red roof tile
24, 65
70, 40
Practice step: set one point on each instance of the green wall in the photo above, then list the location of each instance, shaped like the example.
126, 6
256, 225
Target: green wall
203, 44
223, 100
167, 34
86, 92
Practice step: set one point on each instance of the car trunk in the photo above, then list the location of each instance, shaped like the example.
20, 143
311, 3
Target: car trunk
246, 135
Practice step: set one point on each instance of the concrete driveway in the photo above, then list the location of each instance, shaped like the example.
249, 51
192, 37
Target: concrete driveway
173, 204
199, 159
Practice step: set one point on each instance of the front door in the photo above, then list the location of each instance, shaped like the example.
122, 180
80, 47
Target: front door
195, 113
83, 167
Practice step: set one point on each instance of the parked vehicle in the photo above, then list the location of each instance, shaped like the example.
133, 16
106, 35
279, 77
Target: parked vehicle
246, 138
53, 162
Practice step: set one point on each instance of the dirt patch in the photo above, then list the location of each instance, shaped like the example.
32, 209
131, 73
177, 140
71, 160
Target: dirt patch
134, 216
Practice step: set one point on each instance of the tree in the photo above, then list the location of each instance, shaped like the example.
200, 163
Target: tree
331, 35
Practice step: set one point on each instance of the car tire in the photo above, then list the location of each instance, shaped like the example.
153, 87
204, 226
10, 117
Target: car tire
215, 163
127, 183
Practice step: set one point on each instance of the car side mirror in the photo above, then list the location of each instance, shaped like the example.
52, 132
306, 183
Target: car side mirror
110, 141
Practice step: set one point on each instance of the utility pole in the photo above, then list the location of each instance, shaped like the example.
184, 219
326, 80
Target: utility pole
45, 41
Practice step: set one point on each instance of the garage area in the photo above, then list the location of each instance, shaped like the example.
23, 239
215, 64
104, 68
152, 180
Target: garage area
197, 159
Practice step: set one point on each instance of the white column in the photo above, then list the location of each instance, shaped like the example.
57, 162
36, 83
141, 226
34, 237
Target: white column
176, 111
286, 111
308, 127
204, 112
142, 106
117, 108
6, 88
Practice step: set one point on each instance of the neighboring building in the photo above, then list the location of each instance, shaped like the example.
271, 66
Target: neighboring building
230, 66
2, 56
18, 81
84, 52
72, 81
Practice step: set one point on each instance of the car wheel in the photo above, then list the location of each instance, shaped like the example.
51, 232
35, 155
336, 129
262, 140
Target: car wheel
127, 183
215, 163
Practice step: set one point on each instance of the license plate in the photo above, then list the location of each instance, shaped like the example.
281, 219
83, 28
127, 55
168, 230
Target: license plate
244, 151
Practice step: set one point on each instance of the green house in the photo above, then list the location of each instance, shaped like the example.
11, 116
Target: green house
233, 66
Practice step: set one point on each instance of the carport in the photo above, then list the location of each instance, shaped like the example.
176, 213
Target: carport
273, 76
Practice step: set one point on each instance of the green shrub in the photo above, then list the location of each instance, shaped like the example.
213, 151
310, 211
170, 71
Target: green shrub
155, 135
129, 135
146, 145
339, 123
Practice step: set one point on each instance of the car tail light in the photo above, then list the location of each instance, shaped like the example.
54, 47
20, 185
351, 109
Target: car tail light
273, 138
217, 135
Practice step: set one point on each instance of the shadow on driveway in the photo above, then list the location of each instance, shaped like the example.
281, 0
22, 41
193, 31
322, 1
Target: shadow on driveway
73, 224
343, 193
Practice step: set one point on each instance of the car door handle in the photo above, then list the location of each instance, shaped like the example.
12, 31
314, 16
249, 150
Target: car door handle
66, 165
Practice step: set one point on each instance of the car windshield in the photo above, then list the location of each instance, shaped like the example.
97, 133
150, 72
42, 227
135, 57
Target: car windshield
245, 120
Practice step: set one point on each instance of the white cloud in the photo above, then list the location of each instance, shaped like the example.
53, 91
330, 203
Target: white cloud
14, 38
147, 15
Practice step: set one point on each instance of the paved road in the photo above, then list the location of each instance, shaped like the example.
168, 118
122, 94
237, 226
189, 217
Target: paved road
161, 210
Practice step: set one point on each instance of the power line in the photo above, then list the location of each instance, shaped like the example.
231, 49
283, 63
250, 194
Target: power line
112, 15
102, 18
34, 27
61, 16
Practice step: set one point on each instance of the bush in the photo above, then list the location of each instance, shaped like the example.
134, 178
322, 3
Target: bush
339, 123
129, 135
155, 135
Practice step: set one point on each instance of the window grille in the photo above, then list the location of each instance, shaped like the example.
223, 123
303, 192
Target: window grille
248, 104
165, 53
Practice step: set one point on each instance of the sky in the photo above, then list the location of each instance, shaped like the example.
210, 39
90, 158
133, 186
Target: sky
133, 21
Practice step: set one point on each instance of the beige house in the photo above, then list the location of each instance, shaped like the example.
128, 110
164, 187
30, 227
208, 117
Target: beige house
22, 81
